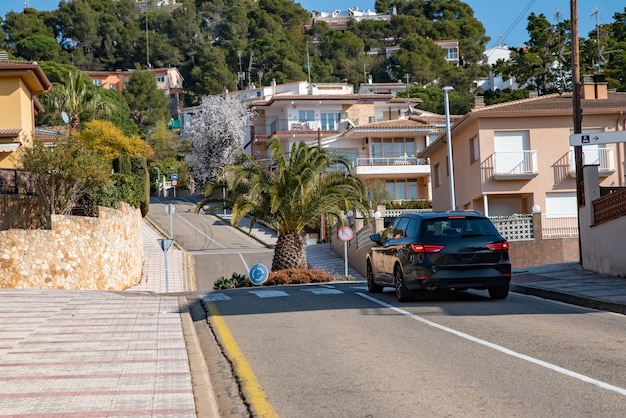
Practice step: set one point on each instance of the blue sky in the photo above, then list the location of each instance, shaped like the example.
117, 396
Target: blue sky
500, 18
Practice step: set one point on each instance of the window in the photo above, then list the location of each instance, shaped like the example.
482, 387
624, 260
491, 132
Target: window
350, 154
393, 147
112, 86
97, 82
160, 79
474, 152
402, 189
437, 175
330, 121
306, 115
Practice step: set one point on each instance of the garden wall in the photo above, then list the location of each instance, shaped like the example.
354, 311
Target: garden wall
77, 253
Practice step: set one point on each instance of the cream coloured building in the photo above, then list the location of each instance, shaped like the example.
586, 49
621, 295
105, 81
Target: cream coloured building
20, 83
515, 157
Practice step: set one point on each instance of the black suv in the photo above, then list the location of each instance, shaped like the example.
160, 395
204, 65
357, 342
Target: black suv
439, 250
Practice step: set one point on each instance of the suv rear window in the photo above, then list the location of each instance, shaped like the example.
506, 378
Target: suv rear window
464, 227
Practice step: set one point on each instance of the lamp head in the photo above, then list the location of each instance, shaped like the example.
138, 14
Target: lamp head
447, 89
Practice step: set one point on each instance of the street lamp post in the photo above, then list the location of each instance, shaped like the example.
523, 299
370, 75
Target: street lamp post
446, 90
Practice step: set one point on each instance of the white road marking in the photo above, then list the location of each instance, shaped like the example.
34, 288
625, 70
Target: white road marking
269, 293
201, 233
214, 297
323, 291
499, 348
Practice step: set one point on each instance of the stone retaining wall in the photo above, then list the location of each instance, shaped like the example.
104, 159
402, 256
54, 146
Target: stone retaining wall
77, 253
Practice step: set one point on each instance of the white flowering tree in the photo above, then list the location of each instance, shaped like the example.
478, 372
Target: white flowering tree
216, 135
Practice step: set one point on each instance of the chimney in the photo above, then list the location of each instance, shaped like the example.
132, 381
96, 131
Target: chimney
588, 88
479, 101
600, 83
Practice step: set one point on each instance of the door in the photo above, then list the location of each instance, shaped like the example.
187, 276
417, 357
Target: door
510, 152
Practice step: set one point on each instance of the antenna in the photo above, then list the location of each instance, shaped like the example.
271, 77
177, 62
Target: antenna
240, 75
597, 13
308, 63
250, 70
26, 4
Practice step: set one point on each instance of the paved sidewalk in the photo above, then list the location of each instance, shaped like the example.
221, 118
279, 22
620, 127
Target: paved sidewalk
102, 354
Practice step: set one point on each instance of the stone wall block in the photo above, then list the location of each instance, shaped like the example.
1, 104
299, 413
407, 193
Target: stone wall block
103, 253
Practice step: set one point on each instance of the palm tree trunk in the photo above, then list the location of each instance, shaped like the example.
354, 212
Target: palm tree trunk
290, 252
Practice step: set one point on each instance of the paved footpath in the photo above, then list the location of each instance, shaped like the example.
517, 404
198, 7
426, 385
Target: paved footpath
96, 353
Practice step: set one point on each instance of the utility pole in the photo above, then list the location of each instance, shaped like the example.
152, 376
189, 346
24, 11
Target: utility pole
577, 113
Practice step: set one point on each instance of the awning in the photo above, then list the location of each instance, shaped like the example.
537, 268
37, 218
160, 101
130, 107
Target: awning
10, 147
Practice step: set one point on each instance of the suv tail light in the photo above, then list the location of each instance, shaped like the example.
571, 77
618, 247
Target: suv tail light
426, 248
498, 246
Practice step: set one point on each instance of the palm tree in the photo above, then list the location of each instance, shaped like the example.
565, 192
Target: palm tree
79, 96
289, 195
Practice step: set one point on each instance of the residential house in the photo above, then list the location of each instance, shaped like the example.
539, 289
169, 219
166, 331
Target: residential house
169, 80
380, 134
493, 81
338, 20
20, 83
515, 157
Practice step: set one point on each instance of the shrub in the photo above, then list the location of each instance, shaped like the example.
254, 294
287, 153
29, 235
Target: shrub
297, 276
275, 278
237, 280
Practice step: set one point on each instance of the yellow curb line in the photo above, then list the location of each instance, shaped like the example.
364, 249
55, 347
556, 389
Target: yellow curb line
249, 382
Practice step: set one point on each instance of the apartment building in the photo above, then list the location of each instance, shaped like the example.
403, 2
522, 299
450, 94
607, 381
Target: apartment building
379, 133
515, 157
20, 83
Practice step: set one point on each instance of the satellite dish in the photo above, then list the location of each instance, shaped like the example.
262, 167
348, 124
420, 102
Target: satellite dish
66, 119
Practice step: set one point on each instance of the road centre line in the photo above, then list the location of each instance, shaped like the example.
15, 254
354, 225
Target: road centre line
248, 380
201, 233
499, 348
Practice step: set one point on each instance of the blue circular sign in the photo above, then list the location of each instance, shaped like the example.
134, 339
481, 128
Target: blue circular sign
258, 274
174, 176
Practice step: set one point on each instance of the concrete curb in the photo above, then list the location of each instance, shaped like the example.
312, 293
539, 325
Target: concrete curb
203, 394
569, 298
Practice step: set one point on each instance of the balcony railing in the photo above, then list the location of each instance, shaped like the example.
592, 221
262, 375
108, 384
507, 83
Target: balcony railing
516, 164
385, 161
603, 157
294, 127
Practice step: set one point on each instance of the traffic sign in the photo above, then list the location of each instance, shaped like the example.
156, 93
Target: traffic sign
170, 208
165, 244
174, 176
174, 182
345, 233
258, 274
597, 138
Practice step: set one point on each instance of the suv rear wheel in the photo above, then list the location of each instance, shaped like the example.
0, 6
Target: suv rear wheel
402, 293
500, 292
372, 287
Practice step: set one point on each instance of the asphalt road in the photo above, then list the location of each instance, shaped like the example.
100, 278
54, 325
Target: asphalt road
333, 350
218, 249
336, 351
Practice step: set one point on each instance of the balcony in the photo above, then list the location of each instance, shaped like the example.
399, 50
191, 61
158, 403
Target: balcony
390, 166
515, 165
293, 127
604, 158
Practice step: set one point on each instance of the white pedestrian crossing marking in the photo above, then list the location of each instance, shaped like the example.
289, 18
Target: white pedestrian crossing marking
269, 293
214, 297
323, 291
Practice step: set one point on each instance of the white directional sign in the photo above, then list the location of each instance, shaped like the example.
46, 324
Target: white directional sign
597, 138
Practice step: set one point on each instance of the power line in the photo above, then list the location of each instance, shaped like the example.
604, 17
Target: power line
519, 17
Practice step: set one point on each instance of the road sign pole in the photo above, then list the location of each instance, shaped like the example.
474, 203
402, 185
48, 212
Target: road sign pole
345, 256
167, 282
165, 244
